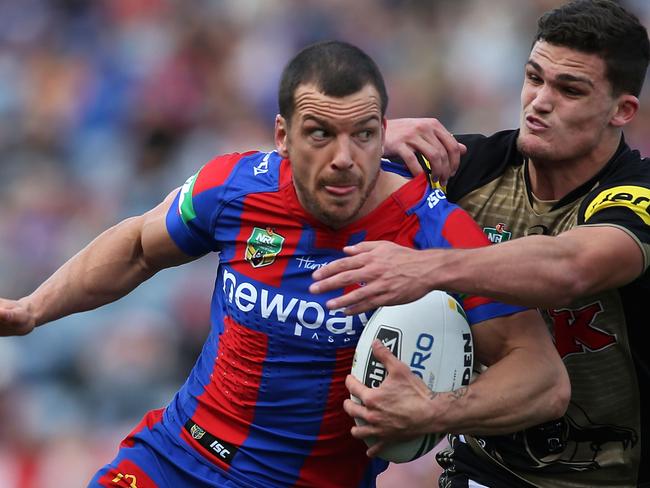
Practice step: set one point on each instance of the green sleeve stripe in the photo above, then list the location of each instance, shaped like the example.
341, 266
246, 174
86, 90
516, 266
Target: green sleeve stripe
185, 203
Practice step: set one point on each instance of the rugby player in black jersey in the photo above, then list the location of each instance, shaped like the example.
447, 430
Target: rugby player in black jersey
568, 202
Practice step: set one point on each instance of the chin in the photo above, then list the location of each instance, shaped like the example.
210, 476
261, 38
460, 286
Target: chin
336, 219
532, 147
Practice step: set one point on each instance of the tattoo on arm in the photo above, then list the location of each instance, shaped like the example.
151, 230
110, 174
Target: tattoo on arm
459, 393
455, 395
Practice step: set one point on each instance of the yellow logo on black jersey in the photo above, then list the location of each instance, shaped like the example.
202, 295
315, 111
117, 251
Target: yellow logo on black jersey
636, 198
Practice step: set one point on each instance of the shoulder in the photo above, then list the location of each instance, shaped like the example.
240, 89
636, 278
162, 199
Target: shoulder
487, 158
445, 224
224, 179
252, 169
625, 186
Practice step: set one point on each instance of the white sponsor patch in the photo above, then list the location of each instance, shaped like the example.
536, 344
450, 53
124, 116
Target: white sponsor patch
309, 318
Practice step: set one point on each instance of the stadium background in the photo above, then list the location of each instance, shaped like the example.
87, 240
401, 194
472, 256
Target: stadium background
105, 106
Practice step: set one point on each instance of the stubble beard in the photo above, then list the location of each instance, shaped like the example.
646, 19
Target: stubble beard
539, 155
336, 216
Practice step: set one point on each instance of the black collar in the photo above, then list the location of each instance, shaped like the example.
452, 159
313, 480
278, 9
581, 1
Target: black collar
622, 150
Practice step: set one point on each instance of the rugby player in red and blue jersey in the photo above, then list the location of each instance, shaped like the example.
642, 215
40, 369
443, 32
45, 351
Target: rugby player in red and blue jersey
263, 406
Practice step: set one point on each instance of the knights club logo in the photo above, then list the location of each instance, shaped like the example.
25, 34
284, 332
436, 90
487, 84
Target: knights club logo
497, 234
263, 246
197, 432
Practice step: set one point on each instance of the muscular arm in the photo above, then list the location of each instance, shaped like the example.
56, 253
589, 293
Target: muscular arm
112, 265
553, 271
536, 271
525, 384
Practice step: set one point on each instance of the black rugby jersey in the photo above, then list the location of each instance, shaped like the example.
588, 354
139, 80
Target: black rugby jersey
604, 439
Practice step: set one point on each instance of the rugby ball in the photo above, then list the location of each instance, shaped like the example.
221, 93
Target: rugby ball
430, 335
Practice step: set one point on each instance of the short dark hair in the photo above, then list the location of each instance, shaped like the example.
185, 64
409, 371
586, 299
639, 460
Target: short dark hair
604, 28
336, 68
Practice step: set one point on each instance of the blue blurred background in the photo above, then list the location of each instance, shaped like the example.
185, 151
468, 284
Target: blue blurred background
107, 105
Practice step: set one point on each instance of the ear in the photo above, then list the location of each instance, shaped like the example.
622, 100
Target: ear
625, 110
384, 125
281, 135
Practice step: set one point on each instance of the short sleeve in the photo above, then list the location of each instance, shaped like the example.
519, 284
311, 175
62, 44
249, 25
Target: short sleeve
192, 217
623, 206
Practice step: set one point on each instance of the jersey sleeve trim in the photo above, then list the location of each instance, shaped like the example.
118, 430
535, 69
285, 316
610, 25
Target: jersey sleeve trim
487, 310
191, 243
185, 202
634, 198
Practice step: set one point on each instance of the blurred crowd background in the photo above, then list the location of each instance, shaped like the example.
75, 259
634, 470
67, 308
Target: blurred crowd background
107, 105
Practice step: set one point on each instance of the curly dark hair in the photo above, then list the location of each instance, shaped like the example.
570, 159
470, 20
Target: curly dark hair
604, 28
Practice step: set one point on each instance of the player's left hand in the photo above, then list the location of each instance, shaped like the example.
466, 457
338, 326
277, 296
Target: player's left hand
427, 136
16, 317
401, 408
392, 274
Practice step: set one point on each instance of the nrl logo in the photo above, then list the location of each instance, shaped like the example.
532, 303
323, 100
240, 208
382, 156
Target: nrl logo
497, 234
197, 432
263, 246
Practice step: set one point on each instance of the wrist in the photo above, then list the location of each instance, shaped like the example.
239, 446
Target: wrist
30, 310
435, 266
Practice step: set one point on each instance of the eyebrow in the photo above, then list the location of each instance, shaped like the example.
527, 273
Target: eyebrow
563, 76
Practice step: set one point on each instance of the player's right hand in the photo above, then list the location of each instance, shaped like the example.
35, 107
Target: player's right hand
426, 136
16, 318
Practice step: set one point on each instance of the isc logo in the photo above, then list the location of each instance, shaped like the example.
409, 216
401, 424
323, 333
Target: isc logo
375, 370
220, 449
435, 196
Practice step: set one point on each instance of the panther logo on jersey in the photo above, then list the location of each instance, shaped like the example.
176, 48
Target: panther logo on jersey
263, 246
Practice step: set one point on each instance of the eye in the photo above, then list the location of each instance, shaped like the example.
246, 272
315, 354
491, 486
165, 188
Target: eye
572, 92
365, 135
318, 133
533, 78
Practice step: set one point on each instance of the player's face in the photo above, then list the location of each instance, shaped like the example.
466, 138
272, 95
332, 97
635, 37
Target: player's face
567, 106
335, 147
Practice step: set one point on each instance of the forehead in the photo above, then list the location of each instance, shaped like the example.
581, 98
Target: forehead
310, 103
561, 61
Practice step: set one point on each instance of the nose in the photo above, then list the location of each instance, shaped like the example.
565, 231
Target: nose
342, 159
543, 99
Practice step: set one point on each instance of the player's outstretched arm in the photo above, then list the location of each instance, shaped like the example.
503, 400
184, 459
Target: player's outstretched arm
108, 268
405, 137
525, 384
534, 271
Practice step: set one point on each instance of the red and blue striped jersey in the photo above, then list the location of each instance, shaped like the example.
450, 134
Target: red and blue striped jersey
264, 401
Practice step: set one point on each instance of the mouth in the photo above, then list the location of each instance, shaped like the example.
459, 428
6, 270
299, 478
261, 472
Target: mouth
340, 190
535, 124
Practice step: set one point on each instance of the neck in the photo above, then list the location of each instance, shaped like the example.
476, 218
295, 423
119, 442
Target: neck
386, 184
553, 180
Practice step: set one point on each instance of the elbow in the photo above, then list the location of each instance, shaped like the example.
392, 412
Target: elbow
560, 398
576, 282
554, 394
